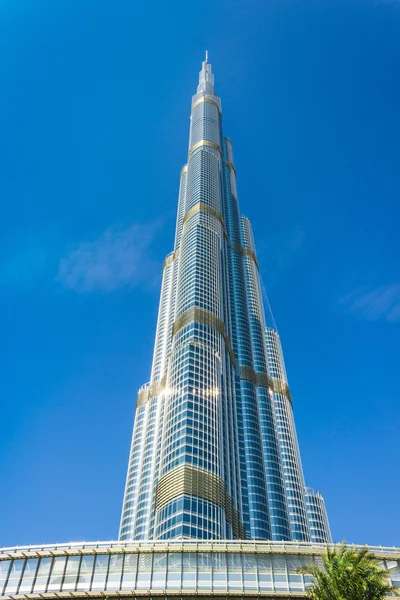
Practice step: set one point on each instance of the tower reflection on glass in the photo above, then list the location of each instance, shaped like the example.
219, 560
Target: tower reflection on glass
214, 451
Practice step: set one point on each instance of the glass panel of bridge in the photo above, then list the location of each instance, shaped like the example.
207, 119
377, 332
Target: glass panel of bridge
204, 570
4, 568
143, 581
264, 566
71, 573
234, 567
159, 570
29, 576
189, 571
394, 570
85, 573
115, 572
42, 575
100, 571
249, 572
57, 574
129, 573
174, 571
219, 571
14, 576
280, 574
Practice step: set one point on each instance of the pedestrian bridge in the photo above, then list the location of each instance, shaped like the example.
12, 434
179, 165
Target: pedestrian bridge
171, 570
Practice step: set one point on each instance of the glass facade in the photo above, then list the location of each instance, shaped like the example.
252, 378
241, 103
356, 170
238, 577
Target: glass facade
165, 569
214, 450
317, 517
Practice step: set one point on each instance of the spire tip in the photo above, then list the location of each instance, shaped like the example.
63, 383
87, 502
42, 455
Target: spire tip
206, 55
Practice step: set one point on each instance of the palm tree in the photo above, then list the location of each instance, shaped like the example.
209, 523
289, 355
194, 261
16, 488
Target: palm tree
348, 574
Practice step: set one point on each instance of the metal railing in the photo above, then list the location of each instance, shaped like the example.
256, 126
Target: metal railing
197, 546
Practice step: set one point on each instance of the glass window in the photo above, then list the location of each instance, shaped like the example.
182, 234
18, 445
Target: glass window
189, 568
57, 574
159, 570
100, 572
264, 572
279, 565
85, 573
4, 568
234, 564
394, 570
204, 570
14, 576
174, 570
29, 576
295, 582
219, 571
71, 573
115, 572
293, 563
249, 572
129, 573
144, 572
42, 575
280, 582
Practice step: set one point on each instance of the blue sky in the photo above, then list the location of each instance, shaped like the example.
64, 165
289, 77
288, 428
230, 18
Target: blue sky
94, 116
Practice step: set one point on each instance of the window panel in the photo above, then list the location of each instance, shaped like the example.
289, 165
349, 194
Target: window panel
189, 570
144, 572
115, 572
174, 570
57, 574
159, 570
14, 576
129, 573
42, 575
71, 573
85, 573
4, 568
100, 572
29, 576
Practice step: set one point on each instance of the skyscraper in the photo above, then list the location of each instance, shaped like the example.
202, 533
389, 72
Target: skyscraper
214, 451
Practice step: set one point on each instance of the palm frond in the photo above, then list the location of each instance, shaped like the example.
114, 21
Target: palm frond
348, 573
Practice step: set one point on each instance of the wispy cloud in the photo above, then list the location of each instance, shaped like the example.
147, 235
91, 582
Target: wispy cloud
118, 258
371, 305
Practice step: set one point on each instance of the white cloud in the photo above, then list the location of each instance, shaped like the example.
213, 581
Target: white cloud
372, 305
118, 258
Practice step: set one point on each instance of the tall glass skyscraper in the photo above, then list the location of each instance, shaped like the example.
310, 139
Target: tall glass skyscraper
214, 452
214, 462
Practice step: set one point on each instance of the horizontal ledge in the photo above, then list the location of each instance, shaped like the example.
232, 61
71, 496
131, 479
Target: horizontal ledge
206, 143
206, 99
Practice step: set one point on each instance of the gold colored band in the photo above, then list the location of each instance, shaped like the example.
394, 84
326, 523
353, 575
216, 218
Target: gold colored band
264, 380
280, 387
206, 99
201, 143
171, 257
152, 391
201, 315
193, 481
248, 374
184, 169
202, 207
245, 252
230, 164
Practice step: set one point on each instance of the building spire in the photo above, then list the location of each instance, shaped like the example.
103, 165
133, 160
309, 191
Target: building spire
206, 78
